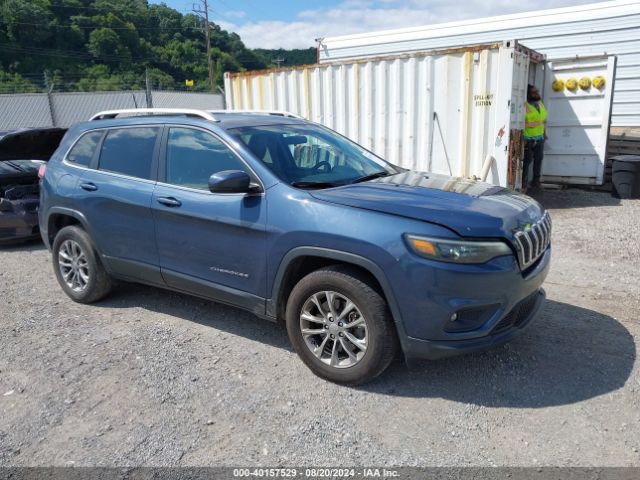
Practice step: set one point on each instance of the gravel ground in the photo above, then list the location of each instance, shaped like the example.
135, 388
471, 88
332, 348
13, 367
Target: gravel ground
154, 378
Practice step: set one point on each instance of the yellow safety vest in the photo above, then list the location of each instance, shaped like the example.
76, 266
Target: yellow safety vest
534, 120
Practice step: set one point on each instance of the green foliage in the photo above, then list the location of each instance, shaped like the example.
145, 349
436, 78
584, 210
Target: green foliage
89, 45
13, 82
99, 78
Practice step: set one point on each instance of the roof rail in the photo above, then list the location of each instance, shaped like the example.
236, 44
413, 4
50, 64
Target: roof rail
280, 113
155, 111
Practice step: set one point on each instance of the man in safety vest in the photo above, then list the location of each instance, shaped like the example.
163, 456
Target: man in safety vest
534, 136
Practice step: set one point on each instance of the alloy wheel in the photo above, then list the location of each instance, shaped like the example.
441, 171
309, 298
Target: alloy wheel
334, 329
74, 266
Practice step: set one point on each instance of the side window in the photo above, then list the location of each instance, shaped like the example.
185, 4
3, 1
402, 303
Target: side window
193, 156
129, 151
82, 152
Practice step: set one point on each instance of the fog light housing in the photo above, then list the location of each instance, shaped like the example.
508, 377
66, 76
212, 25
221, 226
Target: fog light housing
470, 318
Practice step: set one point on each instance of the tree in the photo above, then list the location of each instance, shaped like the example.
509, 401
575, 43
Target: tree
108, 44
13, 82
104, 43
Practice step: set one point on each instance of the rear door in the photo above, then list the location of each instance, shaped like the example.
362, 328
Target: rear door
115, 197
578, 120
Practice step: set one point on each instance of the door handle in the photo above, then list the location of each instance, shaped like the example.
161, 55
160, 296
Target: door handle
89, 187
169, 201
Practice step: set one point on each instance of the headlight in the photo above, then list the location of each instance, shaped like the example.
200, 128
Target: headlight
456, 251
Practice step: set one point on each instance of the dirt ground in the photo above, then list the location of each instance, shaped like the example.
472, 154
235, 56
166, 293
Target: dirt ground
150, 377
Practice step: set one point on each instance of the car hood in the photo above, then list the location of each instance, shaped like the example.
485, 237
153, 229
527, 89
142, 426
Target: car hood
30, 143
468, 207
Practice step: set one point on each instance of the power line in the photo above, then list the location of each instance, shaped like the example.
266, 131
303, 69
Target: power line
232, 20
216, 13
66, 53
100, 9
254, 7
133, 27
111, 8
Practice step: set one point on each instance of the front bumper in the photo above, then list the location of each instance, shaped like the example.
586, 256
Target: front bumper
448, 309
434, 349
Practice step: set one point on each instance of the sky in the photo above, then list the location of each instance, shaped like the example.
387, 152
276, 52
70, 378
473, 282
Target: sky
297, 23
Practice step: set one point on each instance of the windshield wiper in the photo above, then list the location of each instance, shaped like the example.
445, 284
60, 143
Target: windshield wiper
371, 177
314, 184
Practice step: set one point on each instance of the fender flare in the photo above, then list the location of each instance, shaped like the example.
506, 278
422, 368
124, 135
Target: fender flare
340, 256
69, 212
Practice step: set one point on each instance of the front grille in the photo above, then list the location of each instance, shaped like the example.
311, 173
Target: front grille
532, 242
518, 314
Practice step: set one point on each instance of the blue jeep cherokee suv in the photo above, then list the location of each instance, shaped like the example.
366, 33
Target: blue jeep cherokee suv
290, 220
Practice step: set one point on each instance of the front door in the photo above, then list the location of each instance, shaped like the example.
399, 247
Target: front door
209, 244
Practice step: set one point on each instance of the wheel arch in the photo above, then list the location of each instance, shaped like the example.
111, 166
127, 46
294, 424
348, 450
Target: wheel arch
301, 261
60, 217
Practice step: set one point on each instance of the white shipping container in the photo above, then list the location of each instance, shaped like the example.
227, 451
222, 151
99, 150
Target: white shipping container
611, 28
444, 111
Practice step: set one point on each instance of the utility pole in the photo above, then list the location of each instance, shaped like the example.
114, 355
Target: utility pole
279, 61
198, 10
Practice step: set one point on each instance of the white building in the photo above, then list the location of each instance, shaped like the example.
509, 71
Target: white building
610, 27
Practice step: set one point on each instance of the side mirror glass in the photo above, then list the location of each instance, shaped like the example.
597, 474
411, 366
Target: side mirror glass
232, 181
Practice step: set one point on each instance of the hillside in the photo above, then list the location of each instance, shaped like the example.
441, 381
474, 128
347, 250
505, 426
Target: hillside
86, 45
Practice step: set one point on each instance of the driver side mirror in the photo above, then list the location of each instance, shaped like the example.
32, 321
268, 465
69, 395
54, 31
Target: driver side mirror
232, 181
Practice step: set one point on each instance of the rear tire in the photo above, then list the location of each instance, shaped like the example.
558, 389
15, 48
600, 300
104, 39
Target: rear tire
340, 326
77, 266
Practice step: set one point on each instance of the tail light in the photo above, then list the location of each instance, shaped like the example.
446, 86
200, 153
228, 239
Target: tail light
42, 170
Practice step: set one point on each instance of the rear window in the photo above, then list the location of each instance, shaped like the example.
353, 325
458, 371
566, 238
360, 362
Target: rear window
82, 152
129, 151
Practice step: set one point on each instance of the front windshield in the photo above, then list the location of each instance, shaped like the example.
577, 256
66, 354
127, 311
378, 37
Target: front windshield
311, 156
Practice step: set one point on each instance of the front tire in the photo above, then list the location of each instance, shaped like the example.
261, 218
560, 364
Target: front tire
340, 326
77, 266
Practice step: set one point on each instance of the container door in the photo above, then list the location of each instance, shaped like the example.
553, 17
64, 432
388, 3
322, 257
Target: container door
578, 94
520, 79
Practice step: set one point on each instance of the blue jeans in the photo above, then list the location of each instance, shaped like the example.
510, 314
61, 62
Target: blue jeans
533, 152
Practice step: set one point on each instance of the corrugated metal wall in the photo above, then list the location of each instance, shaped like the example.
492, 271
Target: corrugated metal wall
200, 101
25, 110
464, 114
609, 27
70, 108
65, 109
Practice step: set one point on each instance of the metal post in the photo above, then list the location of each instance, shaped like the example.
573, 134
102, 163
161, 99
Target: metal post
49, 88
147, 82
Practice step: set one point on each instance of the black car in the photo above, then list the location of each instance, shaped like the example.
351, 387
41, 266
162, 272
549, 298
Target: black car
22, 152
